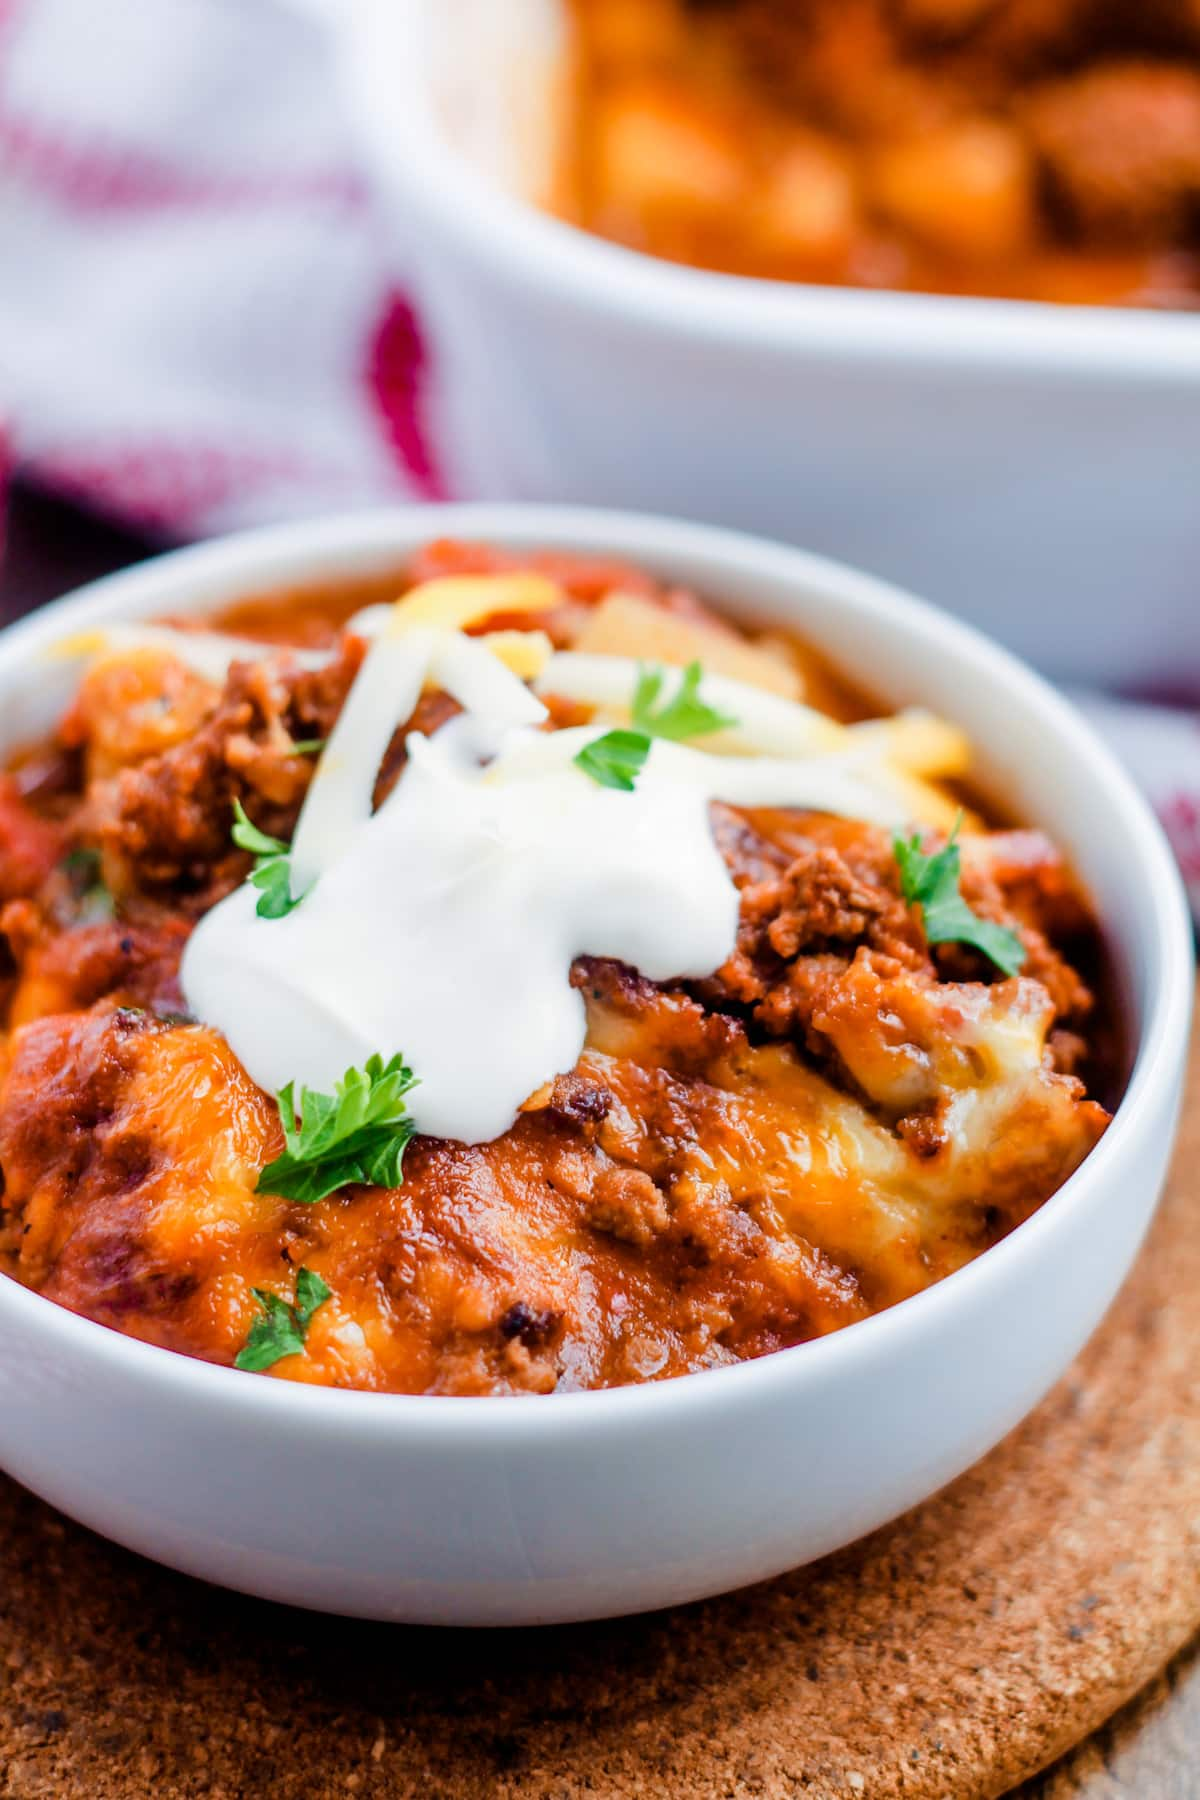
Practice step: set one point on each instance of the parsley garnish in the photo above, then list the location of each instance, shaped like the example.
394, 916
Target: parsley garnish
93, 903
685, 715
271, 872
357, 1133
309, 746
615, 759
282, 1329
931, 882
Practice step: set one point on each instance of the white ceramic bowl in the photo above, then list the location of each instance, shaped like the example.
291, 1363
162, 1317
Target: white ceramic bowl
1030, 467
473, 1511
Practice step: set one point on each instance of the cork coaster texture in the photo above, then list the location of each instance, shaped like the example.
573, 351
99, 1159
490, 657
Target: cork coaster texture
947, 1657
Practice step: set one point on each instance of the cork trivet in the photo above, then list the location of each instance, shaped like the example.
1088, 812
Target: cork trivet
945, 1658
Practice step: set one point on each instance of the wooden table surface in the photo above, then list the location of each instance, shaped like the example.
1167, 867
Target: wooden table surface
1150, 1750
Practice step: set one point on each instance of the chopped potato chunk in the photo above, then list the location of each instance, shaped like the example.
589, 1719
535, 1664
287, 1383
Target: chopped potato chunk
623, 625
966, 190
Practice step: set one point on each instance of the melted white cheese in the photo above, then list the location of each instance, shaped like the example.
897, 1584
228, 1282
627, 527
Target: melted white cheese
443, 926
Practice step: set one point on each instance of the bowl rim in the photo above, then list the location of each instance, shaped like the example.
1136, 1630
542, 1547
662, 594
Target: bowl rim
533, 251
354, 543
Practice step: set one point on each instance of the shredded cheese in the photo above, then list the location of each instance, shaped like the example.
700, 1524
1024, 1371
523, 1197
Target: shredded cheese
456, 601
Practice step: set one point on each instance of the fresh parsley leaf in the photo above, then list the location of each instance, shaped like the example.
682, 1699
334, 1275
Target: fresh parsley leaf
357, 1133
685, 715
271, 873
281, 1330
81, 865
615, 759
931, 882
91, 901
272, 876
274, 1335
311, 1292
247, 836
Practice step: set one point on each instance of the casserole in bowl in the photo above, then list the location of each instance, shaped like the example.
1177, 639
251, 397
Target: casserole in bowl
1025, 465
472, 1510
1039, 151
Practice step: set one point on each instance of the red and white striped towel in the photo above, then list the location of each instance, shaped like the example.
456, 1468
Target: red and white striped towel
197, 327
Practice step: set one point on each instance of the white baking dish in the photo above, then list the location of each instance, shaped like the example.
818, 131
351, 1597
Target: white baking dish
578, 1505
1033, 468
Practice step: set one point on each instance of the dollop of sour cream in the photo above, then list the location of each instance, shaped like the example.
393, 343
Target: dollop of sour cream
443, 925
